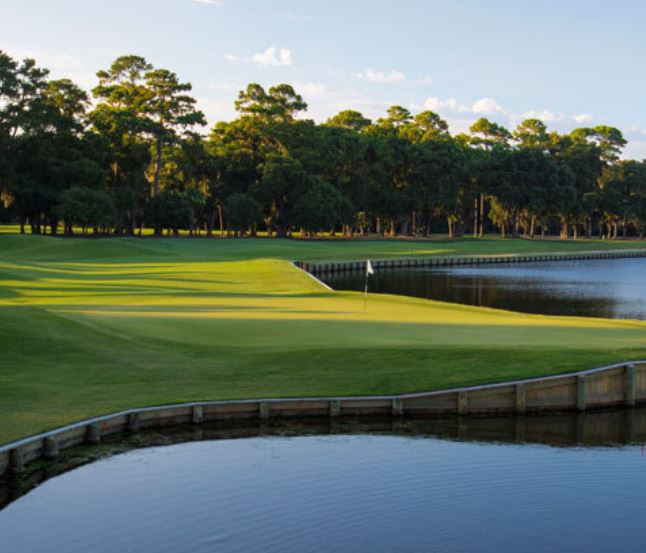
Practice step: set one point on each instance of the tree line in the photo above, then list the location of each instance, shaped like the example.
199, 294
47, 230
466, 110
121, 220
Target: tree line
133, 154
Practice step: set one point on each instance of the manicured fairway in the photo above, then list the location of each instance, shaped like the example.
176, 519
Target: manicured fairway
92, 326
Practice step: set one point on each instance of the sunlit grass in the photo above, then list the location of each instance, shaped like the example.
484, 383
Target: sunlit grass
90, 326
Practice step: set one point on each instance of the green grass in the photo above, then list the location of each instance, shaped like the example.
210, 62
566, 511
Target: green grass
92, 326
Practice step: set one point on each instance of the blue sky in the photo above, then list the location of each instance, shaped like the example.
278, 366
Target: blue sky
571, 63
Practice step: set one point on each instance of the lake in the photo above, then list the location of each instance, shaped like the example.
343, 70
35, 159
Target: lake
611, 288
527, 484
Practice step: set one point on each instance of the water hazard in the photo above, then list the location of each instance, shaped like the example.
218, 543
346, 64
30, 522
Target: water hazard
611, 288
557, 483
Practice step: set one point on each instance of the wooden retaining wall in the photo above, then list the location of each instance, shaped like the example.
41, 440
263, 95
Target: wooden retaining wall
436, 262
621, 384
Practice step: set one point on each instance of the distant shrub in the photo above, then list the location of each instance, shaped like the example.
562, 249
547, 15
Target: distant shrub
86, 208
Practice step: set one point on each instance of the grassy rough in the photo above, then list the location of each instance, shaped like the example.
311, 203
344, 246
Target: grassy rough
92, 326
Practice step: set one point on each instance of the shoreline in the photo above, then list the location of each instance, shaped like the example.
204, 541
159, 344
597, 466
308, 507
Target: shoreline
620, 384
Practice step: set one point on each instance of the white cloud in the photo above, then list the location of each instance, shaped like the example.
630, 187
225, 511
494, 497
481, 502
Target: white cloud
545, 115
449, 104
209, 2
583, 118
380, 77
483, 106
269, 57
456, 113
486, 106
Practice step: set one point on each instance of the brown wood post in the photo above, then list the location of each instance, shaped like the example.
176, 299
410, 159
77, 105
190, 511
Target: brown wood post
133, 422
335, 408
16, 461
630, 385
463, 403
521, 402
50, 448
580, 393
93, 435
197, 415
398, 407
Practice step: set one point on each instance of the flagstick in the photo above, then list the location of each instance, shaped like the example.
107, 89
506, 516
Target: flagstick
369, 271
365, 294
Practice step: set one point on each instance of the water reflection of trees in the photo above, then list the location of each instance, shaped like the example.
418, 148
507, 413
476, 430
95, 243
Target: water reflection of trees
525, 294
615, 428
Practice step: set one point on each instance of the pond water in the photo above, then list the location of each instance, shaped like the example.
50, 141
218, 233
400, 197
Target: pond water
560, 483
611, 288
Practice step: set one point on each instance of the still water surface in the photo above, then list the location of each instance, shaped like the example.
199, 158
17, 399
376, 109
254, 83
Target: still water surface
355, 492
612, 288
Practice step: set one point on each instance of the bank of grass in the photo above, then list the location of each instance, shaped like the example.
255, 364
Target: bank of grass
92, 326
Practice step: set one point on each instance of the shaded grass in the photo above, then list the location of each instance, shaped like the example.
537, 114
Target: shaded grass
92, 326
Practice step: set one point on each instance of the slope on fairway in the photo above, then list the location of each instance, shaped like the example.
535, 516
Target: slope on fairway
91, 326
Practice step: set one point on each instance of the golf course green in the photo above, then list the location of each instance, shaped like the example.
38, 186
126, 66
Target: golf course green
93, 326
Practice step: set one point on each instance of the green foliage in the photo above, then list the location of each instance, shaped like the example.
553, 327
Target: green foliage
280, 103
283, 179
243, 213
169, 210
319, 208
403, 174
532, 133
488, 134
85, 208
349, 119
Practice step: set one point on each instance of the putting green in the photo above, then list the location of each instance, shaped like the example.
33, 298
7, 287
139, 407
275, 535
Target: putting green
92, 326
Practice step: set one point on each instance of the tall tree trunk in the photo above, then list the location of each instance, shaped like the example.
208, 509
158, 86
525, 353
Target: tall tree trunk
475, 217
532, 227
158, 159
210, 224
482, 202
221, 219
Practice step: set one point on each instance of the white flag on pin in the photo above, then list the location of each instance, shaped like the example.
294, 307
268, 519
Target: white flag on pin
369, 269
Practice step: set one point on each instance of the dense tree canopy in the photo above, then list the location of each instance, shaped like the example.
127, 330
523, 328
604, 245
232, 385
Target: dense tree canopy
134, 157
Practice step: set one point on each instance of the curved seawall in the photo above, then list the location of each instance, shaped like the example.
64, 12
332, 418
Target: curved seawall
318, 268
622, 384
